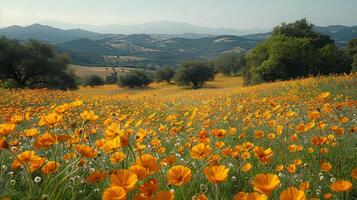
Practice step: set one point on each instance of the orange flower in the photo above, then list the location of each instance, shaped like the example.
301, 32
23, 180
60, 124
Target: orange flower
216, 173
318, 140
341, 186
50, 167
95, 177
264, 156
3, 144
124, 178
6, 129
45, 141
292, 193
85, 151
117, 157
149, 162
250, 196
89, 116
220, 133
291, 168
304, 185
179, 175
50, 119
170, 160
114, 193
326, 166
200, 151
140, 171
149, 188
164, 195
28, 158
265, 183
354, 173
201, 197
30, 132
246, 167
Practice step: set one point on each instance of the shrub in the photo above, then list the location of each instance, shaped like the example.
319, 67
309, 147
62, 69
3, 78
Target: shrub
229, 63
164, 74
135, 79
194, 73
93, 80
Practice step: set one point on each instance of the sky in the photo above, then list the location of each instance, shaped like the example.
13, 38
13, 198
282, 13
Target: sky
239, 14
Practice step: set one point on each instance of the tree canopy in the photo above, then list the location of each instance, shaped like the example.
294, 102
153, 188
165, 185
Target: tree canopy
33, 64
194, 73
294, 50
229, 63
135, 79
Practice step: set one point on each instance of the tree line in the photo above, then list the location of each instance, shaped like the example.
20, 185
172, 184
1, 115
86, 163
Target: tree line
294, 50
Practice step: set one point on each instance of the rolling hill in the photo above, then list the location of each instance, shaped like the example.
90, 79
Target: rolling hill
96, 49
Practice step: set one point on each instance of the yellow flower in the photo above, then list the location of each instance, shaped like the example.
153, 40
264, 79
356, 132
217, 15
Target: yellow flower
5, 129
200, 151
216, 173
341, 186
292, 193
265, 183
89, 116
50, 119
246, 167
179, 175
117, 157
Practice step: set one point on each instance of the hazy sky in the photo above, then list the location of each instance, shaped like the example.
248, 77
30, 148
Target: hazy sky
240, 14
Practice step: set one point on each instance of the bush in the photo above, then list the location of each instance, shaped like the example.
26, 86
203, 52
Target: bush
229, 63
293, 51
164, 74
194, 73
135, 79
34, 65
112, 78
93, 80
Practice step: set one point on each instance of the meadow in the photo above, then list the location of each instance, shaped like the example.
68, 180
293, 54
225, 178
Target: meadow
290, 140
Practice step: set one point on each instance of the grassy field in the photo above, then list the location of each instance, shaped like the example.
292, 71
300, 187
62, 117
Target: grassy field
288, 140
103, 72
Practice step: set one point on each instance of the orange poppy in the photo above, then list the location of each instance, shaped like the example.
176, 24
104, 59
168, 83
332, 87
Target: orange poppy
164, 195
45, 141
124, 178
29, 158
117, 157
179, 175
292, 193
95, 177
341, 186
114, 193
85, 150
216, 173
149, 162
140, 171
6, 129
265, 183
200, 151
264, 156
50, 167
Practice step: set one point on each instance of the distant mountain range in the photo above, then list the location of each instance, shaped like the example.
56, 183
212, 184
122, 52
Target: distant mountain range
156, 27
98, 49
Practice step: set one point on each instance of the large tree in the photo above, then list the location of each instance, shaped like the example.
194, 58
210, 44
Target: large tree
194, 73
33, 64
294, 50
229, 63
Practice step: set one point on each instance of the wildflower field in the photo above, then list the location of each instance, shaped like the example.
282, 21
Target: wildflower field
291, 140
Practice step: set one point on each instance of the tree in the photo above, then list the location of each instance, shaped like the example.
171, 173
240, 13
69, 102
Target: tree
352, 51
135, 79
229, 63
33, 65
293, 51
112, 78
194, 73
93, 80
164, 74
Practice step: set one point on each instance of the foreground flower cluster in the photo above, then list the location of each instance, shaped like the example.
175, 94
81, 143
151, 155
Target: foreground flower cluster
288, 147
